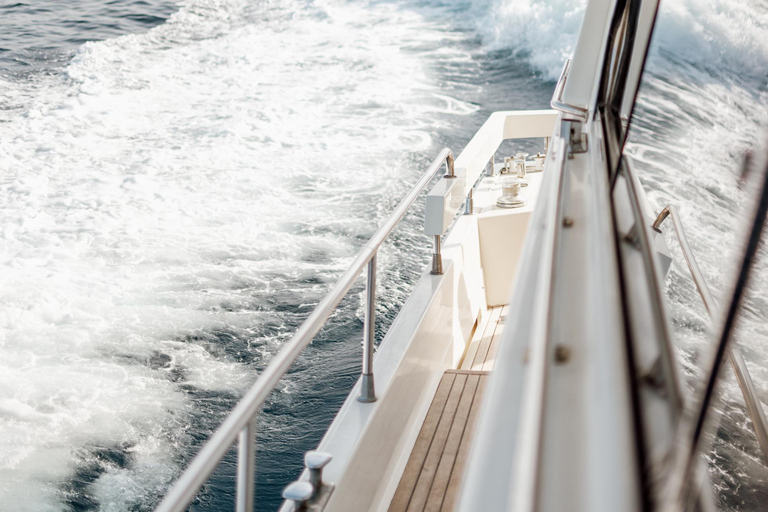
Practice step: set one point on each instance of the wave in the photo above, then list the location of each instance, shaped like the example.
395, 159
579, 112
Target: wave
174, 201
172, 204
725, 36
542, 31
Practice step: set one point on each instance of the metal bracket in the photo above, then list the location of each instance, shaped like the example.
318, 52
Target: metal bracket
577, 142
632, 237
654, 376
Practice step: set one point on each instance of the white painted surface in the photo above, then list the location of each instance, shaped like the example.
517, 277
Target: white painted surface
502, 233
586, 61
582, 454
447, 196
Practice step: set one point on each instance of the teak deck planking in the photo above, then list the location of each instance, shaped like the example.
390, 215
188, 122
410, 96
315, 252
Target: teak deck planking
432, 477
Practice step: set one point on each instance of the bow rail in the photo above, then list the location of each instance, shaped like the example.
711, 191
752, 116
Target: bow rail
754, 407
241, 422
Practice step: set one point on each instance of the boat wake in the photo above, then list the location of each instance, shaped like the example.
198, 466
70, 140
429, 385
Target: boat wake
173, 204
175, 201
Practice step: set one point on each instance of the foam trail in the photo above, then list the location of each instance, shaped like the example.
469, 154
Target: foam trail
541, 31
160, 197
724, 36
173, 202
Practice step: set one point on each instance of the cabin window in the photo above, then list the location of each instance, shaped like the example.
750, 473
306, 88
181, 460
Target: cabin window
620, 51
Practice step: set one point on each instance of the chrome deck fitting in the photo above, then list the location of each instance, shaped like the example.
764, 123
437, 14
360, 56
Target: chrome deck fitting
510, 195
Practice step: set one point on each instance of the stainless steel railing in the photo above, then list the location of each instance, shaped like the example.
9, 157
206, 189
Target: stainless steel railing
737, 360
690, 430
241, 422
557, 102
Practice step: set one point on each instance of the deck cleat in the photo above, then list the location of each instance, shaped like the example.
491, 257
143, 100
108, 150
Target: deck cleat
315, 461
300, 493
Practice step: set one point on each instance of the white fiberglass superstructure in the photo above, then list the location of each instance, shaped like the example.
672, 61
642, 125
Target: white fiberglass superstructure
532, 367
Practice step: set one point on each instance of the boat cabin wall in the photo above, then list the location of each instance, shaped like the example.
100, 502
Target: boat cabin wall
582, 87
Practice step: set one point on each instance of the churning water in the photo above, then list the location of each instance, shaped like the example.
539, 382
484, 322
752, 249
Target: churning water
178, 194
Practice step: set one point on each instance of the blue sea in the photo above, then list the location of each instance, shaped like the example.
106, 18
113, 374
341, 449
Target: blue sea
181, 182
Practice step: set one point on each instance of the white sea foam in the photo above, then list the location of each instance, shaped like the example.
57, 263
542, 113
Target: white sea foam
543, 31
163, 173
725, 36
165, 176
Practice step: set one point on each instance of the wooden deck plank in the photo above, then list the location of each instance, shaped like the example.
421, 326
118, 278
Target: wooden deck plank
482, 349
427, 475
415, 462
457, 472
431, 480
448, 458
490, 358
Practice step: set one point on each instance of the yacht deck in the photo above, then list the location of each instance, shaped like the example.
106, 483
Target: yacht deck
432, 477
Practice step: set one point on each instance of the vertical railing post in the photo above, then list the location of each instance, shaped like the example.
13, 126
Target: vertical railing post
437, 258
367, 390
469, 207
449, 167
246, 467
491, 171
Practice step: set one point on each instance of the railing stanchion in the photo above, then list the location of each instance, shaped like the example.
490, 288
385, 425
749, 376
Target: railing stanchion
367, 390
469, 208
754, 407
246, 467
450, 170
437, 258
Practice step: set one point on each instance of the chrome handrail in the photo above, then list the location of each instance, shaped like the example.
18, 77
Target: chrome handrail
241, 421
690, 430
754, 408
557, 102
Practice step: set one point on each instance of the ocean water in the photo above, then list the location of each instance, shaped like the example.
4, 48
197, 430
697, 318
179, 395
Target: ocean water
182, 181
